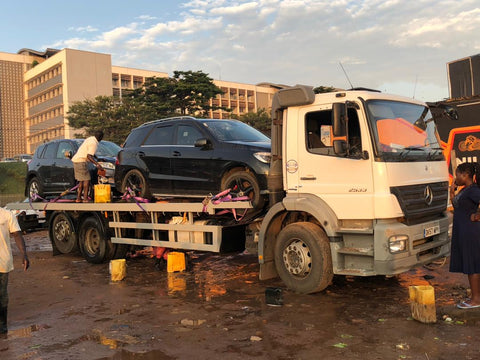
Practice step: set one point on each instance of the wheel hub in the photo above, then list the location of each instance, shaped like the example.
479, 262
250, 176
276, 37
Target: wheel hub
297, 258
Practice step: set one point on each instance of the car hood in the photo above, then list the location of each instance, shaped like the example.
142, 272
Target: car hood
260, 145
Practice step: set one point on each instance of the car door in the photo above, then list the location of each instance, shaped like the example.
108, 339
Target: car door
45, 165
154, 155
62, 171
192, 167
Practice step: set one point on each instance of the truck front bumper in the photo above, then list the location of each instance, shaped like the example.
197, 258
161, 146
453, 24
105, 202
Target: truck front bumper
420, 249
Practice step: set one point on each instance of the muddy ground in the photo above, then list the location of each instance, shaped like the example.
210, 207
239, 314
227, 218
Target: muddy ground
66, 308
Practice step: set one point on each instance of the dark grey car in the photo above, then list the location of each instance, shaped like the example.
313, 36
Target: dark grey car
50, 172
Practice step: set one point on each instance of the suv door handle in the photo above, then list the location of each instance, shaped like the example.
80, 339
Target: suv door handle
308, 178
141, 154
176, 153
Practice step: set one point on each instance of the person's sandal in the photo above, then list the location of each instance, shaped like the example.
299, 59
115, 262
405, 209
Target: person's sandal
465, 305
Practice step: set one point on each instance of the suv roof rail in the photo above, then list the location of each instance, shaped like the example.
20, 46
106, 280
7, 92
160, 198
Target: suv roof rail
169, 118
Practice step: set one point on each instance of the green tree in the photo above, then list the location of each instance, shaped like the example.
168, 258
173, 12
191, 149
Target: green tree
260, 120
187, 92
106, 113
323, 89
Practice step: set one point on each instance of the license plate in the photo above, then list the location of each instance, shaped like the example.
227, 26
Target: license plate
431, 231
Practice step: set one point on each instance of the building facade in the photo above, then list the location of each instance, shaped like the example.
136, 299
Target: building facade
37, 89
67, 77
12, 119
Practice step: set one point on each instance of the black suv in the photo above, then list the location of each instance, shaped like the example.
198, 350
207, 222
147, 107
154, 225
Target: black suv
50, 172
190, 157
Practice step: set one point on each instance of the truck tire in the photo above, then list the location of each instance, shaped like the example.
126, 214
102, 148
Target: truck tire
303, 258
135, 180
34, 187
244, 183
93, 240
62, 233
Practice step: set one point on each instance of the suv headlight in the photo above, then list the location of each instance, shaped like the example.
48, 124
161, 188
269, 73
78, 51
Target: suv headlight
397, 243
107, 165
263, 157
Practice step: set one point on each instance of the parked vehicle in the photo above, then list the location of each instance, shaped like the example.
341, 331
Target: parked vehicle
23, 157
189, 157
50, 172
7, 159
357, 186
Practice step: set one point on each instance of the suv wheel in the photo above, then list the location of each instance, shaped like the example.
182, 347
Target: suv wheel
244, 183
135, 181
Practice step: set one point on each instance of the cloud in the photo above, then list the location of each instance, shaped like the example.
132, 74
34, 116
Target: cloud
146, 17
87, 28
291, 41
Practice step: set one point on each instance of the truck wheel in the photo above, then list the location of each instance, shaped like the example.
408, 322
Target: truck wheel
92, 240
34, 188
303, 258
244, 183
62, 233
135, 180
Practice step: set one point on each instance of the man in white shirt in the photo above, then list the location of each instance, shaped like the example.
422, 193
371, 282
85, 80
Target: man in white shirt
8, 225
85, 153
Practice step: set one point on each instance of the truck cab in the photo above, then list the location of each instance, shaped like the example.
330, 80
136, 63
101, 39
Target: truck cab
359, 186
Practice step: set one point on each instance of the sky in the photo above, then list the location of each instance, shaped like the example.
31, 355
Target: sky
396, 46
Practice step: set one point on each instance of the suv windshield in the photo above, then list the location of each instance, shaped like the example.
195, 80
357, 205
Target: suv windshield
403, 131
231, 130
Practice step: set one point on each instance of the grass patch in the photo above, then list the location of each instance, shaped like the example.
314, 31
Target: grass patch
12, 177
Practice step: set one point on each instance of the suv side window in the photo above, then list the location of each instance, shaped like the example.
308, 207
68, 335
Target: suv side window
187, 135
160, 135
49, 152
64, 146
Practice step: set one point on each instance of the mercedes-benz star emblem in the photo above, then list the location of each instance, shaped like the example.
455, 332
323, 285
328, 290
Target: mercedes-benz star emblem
428, 195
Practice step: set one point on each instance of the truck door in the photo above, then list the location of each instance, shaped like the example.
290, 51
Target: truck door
344, 183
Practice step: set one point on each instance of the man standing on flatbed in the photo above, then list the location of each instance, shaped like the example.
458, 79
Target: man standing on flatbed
86, 153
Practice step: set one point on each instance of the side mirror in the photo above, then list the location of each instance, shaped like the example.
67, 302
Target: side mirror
69, 154
340, 119
340, 147
451, 112
203, 143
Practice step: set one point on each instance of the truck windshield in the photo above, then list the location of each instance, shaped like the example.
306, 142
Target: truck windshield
403, 131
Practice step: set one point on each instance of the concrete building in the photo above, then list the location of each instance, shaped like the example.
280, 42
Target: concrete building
65, 78
242, 98
12, 96
37, 89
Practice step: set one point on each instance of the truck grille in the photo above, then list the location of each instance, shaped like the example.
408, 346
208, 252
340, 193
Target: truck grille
422, 202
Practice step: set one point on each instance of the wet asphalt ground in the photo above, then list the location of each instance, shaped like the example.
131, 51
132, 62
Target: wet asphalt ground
66, 308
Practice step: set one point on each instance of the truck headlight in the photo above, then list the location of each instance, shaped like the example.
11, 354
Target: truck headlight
397, 243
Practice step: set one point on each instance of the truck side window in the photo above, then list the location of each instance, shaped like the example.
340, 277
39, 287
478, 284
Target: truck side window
319, 132
318, 125
354, 135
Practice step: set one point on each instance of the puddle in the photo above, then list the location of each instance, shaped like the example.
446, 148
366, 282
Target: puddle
149, 355
26, 332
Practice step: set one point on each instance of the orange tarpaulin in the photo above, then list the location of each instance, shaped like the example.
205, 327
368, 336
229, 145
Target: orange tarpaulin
400, 132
